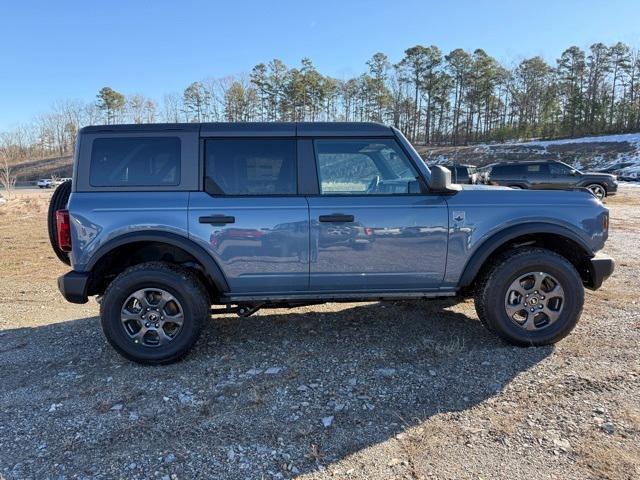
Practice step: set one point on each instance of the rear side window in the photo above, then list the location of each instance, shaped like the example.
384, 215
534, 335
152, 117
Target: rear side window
537, 169
135, 162
251, 166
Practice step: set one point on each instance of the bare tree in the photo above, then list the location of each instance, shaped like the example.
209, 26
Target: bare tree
7, 177
171, 108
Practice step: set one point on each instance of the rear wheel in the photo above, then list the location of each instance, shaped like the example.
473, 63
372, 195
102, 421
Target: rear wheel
153, 313
58, 201
597, 190
531, 297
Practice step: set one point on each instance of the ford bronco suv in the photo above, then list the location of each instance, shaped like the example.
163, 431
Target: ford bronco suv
168, 224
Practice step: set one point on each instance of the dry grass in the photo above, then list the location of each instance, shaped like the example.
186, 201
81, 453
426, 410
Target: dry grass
509, 431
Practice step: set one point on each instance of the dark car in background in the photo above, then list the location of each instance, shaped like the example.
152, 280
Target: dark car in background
549, 175
463, 173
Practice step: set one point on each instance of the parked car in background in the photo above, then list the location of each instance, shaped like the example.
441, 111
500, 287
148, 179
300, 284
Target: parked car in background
463, 173
45, 183
549, 175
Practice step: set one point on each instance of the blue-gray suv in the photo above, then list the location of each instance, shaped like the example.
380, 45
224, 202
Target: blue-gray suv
169, 223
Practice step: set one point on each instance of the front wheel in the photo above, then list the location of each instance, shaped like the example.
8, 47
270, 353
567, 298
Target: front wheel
153, 313
597, 190
531, 297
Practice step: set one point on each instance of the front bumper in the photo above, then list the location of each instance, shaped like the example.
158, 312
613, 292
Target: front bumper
73, 286
600, 268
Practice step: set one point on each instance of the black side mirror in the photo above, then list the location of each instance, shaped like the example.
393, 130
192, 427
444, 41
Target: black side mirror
441, 180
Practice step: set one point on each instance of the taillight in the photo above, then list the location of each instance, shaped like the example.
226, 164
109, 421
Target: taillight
64, 230
605, 222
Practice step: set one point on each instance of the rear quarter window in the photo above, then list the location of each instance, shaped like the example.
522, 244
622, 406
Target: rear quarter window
135, 162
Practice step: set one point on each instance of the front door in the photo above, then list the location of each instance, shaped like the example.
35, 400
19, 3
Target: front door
561, 176
371, 229
250, 217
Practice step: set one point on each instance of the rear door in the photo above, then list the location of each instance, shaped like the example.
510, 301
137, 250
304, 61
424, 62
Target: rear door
371, 228
250, 217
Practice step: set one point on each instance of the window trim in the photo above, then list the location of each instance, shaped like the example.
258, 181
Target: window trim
138, 186
203, 177
366, 195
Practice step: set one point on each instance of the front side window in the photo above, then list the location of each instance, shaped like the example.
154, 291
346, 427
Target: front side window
559, 169
251, 166
135, 162
361, 167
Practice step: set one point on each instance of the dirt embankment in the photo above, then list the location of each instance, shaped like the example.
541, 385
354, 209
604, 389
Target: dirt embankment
32, 170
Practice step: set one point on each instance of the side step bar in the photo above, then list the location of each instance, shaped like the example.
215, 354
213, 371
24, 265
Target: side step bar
322, 297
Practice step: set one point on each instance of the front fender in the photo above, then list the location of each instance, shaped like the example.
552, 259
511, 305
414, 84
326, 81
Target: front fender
493, 241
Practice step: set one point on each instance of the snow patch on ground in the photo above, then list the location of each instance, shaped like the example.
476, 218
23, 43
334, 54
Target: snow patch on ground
633, 138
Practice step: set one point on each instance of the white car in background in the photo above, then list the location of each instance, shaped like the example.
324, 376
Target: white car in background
45, 183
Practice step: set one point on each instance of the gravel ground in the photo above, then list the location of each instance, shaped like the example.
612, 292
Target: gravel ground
378, 390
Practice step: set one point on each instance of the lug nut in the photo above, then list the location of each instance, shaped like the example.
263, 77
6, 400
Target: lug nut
146, 324
156, 325
533, 309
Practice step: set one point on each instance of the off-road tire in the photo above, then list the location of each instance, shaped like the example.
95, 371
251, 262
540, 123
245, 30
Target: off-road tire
58, 201
481, 283
493, 287
177, 281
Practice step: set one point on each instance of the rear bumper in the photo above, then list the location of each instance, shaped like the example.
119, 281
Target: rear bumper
73, 286
600, 268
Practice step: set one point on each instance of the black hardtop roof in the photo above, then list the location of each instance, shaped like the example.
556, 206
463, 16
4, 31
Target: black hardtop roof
253, 129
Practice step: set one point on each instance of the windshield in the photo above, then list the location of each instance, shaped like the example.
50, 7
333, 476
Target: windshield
570, 167
421, 165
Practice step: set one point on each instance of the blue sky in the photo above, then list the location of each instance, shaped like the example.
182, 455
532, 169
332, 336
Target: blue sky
57, 50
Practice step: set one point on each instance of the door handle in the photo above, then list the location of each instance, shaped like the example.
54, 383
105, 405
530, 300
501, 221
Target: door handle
336, 217
217, 219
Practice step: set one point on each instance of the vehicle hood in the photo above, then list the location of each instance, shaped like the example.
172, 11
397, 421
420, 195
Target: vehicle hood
595, 175
467, 186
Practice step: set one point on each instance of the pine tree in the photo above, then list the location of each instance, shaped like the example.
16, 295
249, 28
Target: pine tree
111, 103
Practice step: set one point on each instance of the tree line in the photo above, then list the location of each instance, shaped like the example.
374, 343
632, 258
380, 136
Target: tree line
458, 97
